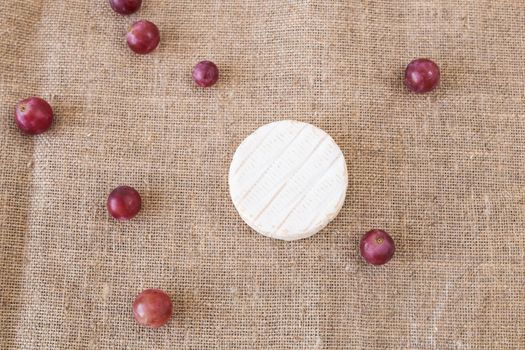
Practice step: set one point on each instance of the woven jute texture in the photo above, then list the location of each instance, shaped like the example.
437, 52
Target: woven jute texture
443, 172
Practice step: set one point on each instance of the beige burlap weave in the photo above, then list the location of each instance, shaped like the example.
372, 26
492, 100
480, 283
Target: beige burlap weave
443, 172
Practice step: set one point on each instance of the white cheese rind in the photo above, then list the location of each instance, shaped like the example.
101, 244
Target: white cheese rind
288, 180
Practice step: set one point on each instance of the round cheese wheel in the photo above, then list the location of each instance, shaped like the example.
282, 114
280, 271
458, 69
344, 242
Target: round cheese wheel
288, 180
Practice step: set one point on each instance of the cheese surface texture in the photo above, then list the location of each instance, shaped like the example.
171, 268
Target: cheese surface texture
288, 180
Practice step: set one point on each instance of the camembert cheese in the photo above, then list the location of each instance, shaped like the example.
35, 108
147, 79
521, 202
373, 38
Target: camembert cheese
288, 180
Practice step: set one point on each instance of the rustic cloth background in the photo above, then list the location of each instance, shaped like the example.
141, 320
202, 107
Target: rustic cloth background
443, 172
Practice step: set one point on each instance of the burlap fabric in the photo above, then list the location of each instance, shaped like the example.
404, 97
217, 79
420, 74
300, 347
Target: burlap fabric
443, 172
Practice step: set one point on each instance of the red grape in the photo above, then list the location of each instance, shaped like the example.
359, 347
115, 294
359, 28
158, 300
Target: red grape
152, 308
143, 37
124, 203
377, 247
125, 7
205, 74
422, 75
33, 115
